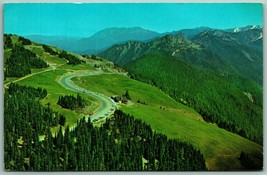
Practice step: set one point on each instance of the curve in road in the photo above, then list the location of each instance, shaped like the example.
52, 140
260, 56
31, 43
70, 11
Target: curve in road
106, 104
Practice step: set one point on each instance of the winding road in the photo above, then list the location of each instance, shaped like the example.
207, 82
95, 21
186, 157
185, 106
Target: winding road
106, 104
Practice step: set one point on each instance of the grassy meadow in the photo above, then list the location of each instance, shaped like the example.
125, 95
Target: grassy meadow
220, 147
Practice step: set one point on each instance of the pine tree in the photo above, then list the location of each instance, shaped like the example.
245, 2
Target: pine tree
127, 95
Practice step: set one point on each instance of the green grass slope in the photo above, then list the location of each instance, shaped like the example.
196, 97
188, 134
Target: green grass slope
47, 79
220, 147
233, 103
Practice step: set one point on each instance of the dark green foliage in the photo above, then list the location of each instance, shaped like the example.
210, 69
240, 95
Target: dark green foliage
62, 120
218, 98
122, 143
127, 95
7, 41
71, 102
25, 119
160, 153
21, 61
93, 57
72, 59
22, 106
30, 91
24, 41
176, 46
141, 102
49, 50
248, 163
223, 52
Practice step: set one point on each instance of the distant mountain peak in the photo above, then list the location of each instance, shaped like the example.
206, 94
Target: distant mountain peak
122, 30
242, 35
243, 29
173, 39
178, 35
251, 27
256, 27
259, 38
237, 29
215, 32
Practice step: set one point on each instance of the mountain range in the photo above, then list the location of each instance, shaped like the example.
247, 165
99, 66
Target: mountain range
98, 41
214, 72
230, 51
225, 52
241, 50
171, 45
106, 38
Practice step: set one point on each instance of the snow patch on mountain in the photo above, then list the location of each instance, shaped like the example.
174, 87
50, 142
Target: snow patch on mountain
237, 30
256, 27
260, 37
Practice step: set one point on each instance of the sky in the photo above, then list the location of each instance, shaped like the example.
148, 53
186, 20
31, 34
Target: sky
83, 20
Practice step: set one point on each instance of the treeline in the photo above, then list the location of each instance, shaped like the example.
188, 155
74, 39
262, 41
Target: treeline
21, 61
24, 41
146, 150
7, 41
14, 89
25, 119
23, 109
71, 58
49, 50
71, 102
122, 143
219, 99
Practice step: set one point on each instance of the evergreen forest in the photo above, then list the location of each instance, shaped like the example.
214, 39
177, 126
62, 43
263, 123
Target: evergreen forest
233, 103
122, 143
72, 59
21, 61
71, 102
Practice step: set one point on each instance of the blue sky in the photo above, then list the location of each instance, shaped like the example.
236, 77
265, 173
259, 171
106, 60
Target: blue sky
86, 19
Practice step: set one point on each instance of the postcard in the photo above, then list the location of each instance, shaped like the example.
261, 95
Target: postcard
133, 86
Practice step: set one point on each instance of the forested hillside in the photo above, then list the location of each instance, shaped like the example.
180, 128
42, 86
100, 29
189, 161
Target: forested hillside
225, 53
251, 36
176, 46
21, 61
233, 103
72, 60
122, 143
239, 49
217, 73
